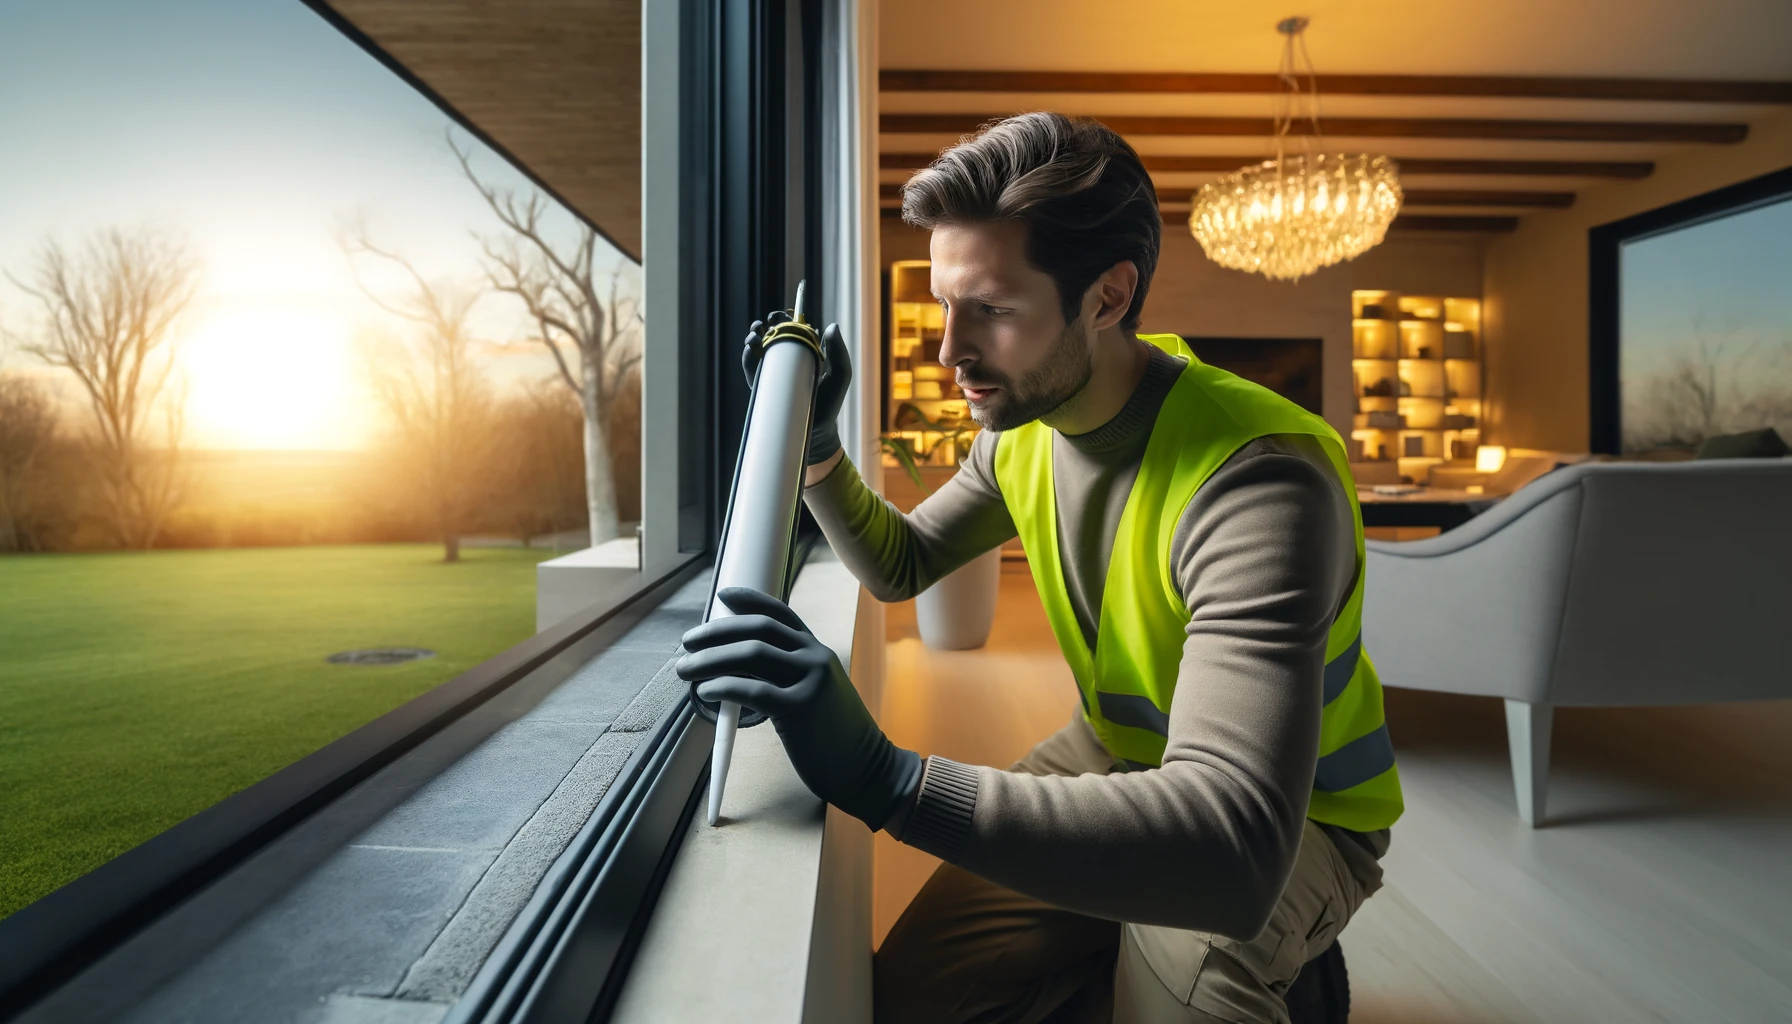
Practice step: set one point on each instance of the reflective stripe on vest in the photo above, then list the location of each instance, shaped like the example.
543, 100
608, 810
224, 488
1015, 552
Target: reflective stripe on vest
1128, 680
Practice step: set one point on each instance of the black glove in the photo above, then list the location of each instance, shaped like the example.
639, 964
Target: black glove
830, 389
763, 657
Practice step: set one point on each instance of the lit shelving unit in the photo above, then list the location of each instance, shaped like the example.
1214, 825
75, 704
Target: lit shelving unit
922, 391
1416, 370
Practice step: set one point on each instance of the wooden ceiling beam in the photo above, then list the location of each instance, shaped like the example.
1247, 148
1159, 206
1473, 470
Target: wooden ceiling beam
1403, 222
1364, 127
1409, 222
1414, 197
1488, 197
1659, 90
1414, 165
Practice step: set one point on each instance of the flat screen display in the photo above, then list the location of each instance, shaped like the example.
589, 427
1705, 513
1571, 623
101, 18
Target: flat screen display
1705, 329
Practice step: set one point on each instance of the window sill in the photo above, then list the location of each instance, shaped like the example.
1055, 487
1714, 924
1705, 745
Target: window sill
767, 918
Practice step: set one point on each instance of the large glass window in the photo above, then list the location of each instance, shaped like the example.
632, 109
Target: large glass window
300, 384
1705, 329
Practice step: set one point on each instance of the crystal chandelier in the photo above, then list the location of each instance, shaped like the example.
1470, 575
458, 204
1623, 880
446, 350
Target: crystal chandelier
1287, 217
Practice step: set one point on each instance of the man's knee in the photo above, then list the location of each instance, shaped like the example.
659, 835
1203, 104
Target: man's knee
967, 949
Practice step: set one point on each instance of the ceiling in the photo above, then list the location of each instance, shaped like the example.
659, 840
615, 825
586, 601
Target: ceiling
1487, 137
555, 83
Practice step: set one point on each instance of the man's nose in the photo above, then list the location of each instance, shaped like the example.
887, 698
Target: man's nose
953, 348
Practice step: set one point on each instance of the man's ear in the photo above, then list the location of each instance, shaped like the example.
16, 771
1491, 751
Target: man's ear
1108, 299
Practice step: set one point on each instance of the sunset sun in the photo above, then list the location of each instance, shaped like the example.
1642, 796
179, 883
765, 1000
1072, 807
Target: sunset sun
263, 378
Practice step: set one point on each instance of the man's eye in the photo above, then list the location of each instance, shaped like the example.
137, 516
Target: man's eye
996, 311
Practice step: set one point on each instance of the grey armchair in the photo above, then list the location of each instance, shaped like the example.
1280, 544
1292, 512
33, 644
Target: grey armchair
1597, 584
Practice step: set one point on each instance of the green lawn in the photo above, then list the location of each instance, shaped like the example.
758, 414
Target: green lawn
138, 689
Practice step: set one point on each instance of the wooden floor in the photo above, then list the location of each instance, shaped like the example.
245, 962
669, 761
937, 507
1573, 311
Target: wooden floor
1659, 890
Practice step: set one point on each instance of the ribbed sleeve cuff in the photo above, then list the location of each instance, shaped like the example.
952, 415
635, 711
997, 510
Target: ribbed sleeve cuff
941, 820
835, 482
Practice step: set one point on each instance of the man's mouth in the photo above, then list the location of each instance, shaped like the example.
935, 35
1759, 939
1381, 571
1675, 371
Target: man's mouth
976, 394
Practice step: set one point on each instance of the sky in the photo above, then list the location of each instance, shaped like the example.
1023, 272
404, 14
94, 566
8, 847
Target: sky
1735, 272
256, 130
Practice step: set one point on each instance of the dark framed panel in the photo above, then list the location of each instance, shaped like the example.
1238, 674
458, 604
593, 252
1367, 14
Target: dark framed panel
1291, 367
1604, 280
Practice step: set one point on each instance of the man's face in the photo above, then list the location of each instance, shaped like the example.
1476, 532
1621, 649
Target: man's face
1013, 355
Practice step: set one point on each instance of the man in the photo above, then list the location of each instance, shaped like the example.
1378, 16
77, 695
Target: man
1214, 813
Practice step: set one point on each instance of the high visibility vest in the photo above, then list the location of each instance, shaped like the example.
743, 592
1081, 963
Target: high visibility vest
1126, 683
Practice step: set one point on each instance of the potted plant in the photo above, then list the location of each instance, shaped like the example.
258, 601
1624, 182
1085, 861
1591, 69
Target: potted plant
956, 613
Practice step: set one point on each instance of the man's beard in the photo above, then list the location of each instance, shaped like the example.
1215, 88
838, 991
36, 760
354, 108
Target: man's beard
1063, 373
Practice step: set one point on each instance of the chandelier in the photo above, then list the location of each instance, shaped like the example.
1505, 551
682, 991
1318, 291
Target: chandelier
1287, 217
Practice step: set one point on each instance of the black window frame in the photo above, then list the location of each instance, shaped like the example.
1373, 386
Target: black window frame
750, 228
758, 105
1605, 244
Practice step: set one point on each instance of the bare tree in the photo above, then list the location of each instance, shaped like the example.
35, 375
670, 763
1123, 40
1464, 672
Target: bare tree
592, 330
109, 313
539, 470
1724, 376
27, 430
440, 406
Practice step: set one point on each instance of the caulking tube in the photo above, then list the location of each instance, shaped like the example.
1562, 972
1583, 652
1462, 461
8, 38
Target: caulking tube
768, 484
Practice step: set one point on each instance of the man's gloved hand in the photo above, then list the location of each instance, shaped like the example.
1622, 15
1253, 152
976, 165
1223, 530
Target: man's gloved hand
763, 657
830, 390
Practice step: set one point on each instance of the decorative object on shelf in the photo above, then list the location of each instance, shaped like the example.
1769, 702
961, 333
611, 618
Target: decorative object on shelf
1288, 217
1373, 311
1380, 419
1415, 446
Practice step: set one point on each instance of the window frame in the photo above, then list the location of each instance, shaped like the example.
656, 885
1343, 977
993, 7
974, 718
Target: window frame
727, 238
1605, 245
52, 940
748, 157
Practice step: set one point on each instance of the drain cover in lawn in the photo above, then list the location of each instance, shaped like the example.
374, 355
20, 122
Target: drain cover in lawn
380, 656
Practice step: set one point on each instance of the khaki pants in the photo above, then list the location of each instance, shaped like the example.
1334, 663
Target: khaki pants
969, 950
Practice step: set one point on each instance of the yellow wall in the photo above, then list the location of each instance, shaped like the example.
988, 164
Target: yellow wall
1535, 292
1192, 295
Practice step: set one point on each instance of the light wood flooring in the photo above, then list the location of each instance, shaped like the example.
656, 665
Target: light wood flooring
1660, 888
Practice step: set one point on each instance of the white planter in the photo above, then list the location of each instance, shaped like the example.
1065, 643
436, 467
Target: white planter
956, 613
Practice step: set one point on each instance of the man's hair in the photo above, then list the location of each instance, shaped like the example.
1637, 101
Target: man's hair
1081, 191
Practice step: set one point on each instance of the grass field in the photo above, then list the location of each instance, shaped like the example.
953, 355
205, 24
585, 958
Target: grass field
137, 689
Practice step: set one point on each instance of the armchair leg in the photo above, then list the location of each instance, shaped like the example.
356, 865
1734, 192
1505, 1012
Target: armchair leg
1527, 734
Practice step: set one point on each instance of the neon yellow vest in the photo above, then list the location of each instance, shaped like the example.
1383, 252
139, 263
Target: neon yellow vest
1126, 683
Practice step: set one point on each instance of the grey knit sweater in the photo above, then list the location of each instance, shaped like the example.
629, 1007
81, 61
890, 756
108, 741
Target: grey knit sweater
1265, 556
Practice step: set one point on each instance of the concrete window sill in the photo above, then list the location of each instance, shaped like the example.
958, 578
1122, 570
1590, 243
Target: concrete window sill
767, 917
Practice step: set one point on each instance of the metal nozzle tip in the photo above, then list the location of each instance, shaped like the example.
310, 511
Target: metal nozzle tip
797, 310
